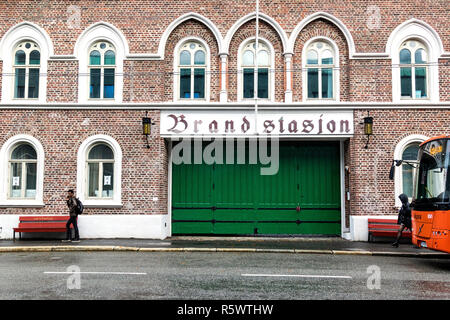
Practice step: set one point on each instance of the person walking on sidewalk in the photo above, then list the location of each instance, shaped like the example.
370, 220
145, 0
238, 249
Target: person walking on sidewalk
404, 218
73, 205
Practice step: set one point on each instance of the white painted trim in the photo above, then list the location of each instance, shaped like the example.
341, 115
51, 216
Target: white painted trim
240, 74
5, 151
176, 78
169, 191
22, 32
176, 23
336, 73
398, 152
281, 33
344, 227
325, 16
98, 32
116, 201
421, 31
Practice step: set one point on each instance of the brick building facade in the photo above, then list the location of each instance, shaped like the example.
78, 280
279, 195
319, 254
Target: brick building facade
318, 59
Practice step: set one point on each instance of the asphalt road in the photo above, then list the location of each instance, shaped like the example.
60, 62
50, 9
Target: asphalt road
225, 276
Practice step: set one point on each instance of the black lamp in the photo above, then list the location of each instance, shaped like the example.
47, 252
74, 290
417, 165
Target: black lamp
146, 127
368, 128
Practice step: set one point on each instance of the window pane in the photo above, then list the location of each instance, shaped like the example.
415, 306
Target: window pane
94, 58
249, 82
93, 171
108, 84
327, 83
185, 58
199, 83
94, 91
312, 57
35, 57
263, 83
405, 82
420, 56
16, 180
24, 152
327, 57
108, 180
101, 152
30, 190
33, 83
185, 83
411, 152
110, 57
405, 56
313, 83
19, 84
20, 58
407, 172
199, 57
248, 58
421, 83
263, 58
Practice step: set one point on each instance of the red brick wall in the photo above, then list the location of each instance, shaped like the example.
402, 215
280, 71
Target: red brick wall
62, 81
61, 132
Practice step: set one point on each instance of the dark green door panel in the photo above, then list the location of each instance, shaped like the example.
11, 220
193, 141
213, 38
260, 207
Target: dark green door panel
237, 199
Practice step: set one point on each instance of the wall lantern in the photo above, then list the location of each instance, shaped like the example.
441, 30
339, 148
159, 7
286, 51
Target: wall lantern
147, 127
368, 128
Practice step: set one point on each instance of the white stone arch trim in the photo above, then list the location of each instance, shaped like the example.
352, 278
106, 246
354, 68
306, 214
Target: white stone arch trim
326, 16
398, 152
336, 75
98, 32
21, 32
191, 15
251, 16
414, 29
240, 76
176, 59
81, 191
5, 152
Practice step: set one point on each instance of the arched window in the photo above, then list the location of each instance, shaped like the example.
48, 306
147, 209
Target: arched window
26, 65
320, 71
256, 62
100, 172
413, 58
102, 69
192, 64
22, 172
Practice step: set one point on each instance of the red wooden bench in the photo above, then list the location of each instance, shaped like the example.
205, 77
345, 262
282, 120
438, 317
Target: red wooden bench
41, 224
385, 228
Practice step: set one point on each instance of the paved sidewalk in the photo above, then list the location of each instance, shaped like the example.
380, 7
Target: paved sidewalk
319, 245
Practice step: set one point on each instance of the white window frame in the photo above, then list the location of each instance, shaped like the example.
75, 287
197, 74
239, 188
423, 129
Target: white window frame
82, 173
100, 173
334, 66
102, 66
413, 65
398, 154
177, 66
5, 153
27, 66
240, 68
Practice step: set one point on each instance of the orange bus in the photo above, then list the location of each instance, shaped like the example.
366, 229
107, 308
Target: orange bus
431, 195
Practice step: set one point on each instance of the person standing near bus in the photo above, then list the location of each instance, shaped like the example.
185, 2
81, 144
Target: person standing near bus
72, 204
404, 218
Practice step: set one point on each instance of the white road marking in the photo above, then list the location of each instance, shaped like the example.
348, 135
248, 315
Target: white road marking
295, 276
97, 272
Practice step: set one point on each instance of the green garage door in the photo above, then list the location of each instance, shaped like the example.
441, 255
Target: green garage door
236, 199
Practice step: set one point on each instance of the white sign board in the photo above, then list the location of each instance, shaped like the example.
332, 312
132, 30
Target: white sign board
242, 123
16, 181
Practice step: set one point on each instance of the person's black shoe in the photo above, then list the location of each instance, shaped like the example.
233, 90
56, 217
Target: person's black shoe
395, 244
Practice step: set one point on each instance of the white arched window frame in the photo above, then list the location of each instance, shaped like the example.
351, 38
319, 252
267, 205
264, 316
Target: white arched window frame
414, 66
406, 142
26, 68
98, 32
419, 31
83, 178
102, 71
321, 46
6, 200
191, 45
244, 66
22, 32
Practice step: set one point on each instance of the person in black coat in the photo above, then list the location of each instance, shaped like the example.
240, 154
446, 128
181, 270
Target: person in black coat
404, 217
